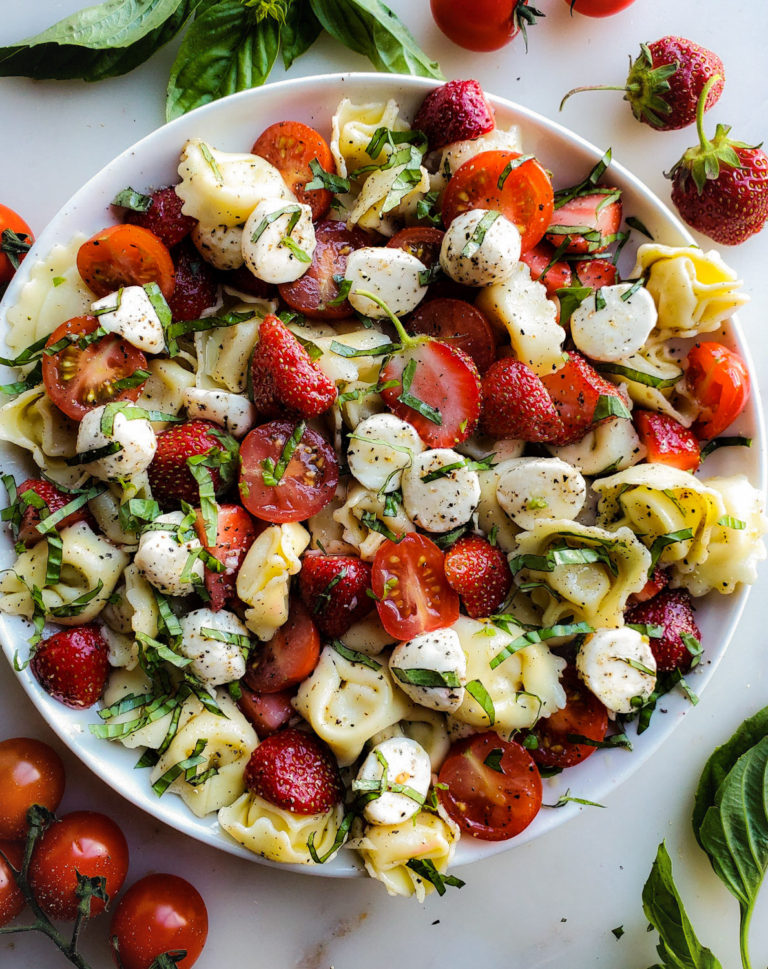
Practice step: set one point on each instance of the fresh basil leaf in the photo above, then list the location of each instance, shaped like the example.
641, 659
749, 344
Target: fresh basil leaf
663, 907
129, 198
370, 28
299, 32
224, 51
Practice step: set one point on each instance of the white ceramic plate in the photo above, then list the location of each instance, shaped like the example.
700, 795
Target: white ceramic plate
232, 125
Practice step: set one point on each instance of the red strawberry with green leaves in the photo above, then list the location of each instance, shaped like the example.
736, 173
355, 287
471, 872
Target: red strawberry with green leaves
73, 666
296, 771
479, 573
456, 111
516, 404
676, 640
665, 81
184, 451
235, 533
334, 588
54, 500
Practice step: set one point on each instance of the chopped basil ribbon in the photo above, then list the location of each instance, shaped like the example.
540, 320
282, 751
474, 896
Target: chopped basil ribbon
32, 379
354, 657
609, 406
187, 767
447, 539
363, 392
33, 352
719, 442
510, 166
426, 677
662, 541
635, 223
539, 636
209, 509
636, 665
129, 198
392, 502
382, 349
175, 330
205, 151
344, 286
326, 180
295, 249
728, 521
76, 606
425, 869
293, 210
58, 280
374, 524
427, 276
273, 473
103, 310
325, 596
70, 339
567, 799
615, 740
53, 563
232, 639
693, 645
168, 618
338, 841
484, 464
493, 760
650, 630
382, 443
15, 244
479, 693
373, 788
562, 556
476, 239
588, 186
131, 412
410, 400
571, 297
136, 510
638, 376
136, 379
49, 523
427, 211
160, 651
637, 284
386, 136
125, 705
600, 303
313, 350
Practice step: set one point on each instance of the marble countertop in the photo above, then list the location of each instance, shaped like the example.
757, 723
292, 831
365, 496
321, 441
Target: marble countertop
552, 902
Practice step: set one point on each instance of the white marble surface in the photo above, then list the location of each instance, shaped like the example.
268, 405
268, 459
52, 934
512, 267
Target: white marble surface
546, 904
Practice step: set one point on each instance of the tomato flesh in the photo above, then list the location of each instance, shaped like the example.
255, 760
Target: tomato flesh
11, 897
582, 716
12, 223
31, 772
268, 712
719, 380
290, 146
456, 322
289, 656
125, 255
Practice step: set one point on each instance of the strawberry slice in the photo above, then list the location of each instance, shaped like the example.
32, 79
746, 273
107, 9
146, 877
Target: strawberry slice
588, 221
667, 441
334, 589
672, 610
583, 399
55, 500
283, 376
72, 666
479, 572
595, 273
296, 771
659, 580
235, 533
457, 111
558, 273
170, 474
516, 404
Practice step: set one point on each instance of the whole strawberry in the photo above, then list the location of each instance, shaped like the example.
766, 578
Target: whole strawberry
296, 771
516, 404
680, 638
334, 589
665, 82
72, 666
171, 475
457, 111
479, 573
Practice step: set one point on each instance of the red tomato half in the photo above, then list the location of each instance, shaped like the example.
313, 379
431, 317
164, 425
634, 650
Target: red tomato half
31, 772
493, 787
11, 897
160, 913
289, 657
125, 255
12, 251
309, 480
413, 595
78, 380
598, 8
582, 716
525, 196
719, 380
268, 712
290, 146
459, 323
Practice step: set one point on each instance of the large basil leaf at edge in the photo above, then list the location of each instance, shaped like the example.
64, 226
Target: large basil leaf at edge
299, 32
748, 735
679, 947
224, 51
369, 27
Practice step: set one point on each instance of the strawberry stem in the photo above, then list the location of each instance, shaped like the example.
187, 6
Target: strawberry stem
596, 87
405, 338
705, 143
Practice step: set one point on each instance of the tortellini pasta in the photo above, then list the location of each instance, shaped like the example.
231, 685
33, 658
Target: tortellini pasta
611, 446
346, 702
426, 727
653, 378
164, 389
354, 514
340, 368
32, 422
149, 729
279, 835
264, 577
105, 508
489, 515
223, 353
353, 126
373, 209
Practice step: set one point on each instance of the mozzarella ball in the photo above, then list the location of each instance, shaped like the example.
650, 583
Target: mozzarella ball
529, 489
611, 324
437, 652
446, 501
220, 245
407, 764
213, 661
235, 413
392, 275
136, 437
264, 246
480, 255
389, 446
163, 554
604, 662
130, 313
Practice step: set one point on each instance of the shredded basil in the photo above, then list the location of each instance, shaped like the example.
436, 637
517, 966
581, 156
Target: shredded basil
273, 473
354, 657
510, 166
187, 767
638, 376
609, 406
493, 760
326, 180
205, 151
538, 636
663, 541
293, 210
719, 442
410, 400
426, 677
425, 869
129, 198
479, 693
634, 223
338, 841
477, 237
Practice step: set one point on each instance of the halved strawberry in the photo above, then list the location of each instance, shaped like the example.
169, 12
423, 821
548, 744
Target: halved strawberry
334, 589
235, 533
672, 610
55, 500
667, 441
457, 111
196, 286
72, 666
588, 221
540, 258
296, 771
595, 273
582, 398
164, 217
659, 580
480, 573
171, 476
516, 404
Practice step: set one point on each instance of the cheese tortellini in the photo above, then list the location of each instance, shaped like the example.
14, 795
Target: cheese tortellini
32, 422
353, 126
611, 446
357, 512
223, 353
165, 387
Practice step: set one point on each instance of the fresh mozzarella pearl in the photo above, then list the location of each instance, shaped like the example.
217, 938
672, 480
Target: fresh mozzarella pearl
220, 245
163, 555
264, 250
619, 327
439, 652
213, 661
136, 437
445, 502
407, 763
130, 313
490, 262
603, 662
390, 274
233, 412
389, 446
533, 488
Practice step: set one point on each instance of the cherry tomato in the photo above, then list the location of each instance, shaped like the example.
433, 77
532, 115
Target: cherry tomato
289, 657
11, 250
84, 842
424, 242
593, 224
159, 913
525, 197
557, 275
290, 146
595, 273
309, 481
78, 380
459, 323
268, 712
583, 715
445, 380
719, 380
313, 291
11, 898
413, 595
31, 772
666, 440
493, 787
598, 8
480, 25
125, 255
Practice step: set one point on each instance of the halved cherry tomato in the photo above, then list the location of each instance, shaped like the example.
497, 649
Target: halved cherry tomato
493, 787
459, 323
31, 772
444, 388
289, 657
84, 842
316, 289
421, 241
413, 595
667, 441
598, 8
290, 146
15, 238
582, 716
159, 913
307, 484
11, 897
235, 533
268, 712
588, 223
659, 580
525, 195
78, 380
719, 380
125, 255
595, 273
539, 258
